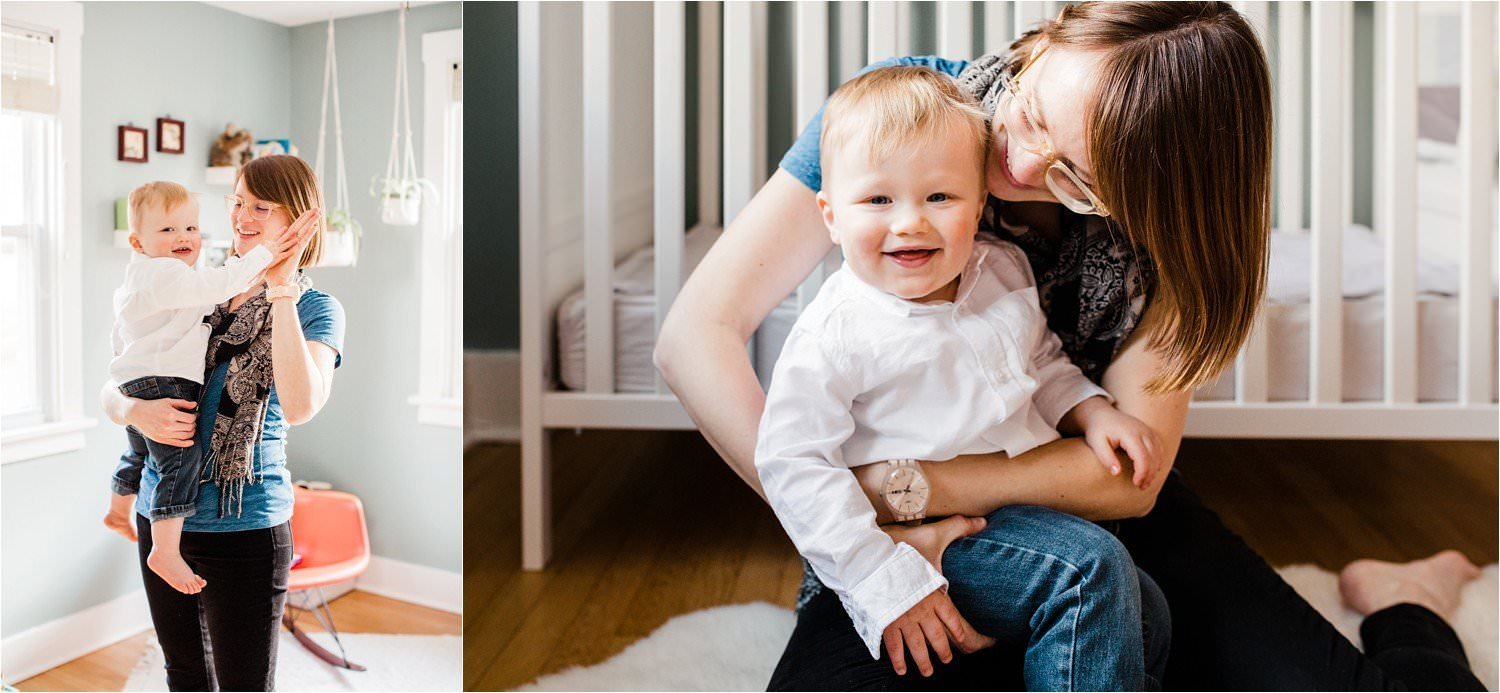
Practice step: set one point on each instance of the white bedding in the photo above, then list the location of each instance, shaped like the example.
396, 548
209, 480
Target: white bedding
1287, 316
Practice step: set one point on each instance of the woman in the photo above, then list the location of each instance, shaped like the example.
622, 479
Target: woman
1151, 124
269, 366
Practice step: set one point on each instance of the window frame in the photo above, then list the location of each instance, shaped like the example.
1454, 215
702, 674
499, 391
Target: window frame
439, 399
64, 425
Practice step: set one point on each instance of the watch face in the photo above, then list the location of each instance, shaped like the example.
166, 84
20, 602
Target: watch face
906, 491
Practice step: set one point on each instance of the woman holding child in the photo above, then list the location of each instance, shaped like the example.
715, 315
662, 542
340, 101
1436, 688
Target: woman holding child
1130, 152
271, 356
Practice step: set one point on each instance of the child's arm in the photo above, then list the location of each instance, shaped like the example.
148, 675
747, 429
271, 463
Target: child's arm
818, 500
185, 287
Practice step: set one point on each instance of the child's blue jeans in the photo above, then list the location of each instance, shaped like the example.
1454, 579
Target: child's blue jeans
180, 468
1067, 591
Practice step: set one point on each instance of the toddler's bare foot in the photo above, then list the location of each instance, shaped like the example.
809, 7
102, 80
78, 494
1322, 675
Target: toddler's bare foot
1434, 582
121, 523
171, 567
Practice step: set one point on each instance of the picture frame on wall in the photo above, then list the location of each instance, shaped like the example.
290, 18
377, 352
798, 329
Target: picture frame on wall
133, 144
169, 135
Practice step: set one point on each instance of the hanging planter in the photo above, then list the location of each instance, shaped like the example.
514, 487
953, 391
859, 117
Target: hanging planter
341, 232
400, 190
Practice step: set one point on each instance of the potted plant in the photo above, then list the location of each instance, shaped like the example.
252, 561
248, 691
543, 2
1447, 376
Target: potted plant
340, 239
401, 199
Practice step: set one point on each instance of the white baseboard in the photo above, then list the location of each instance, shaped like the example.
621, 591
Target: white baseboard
418, 584
63, 640
492, 396
58, 642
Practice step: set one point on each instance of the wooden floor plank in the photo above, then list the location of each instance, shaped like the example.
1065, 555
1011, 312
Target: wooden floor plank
108, 669
628, 557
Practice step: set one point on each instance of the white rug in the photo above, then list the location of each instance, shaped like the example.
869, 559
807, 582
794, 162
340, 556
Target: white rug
735, 648
396, 663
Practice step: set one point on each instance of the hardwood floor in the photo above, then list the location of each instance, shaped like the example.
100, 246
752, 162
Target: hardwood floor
355, 612
650, 525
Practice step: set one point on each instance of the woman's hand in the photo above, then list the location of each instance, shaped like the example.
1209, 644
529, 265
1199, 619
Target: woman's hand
298, 235
166, 421
933, 538
934, 621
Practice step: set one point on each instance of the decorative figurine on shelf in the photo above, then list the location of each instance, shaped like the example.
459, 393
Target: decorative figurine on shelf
231, 147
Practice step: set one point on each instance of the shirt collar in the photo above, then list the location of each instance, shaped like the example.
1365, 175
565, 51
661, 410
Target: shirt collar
901, 307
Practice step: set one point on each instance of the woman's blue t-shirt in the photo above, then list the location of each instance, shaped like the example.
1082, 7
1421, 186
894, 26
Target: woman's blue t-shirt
802, 160
268, 500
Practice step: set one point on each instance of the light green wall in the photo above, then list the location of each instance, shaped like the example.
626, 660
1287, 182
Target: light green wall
367, 440
206, 66
201, 65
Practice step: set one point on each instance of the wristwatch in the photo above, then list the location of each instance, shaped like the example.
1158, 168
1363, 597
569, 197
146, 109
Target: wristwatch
292, 291
906, 490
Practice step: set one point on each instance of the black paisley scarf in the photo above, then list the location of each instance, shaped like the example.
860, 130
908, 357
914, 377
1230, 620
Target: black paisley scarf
1092, 282
243, 338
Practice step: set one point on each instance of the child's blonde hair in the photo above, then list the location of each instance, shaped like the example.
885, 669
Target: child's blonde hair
889, 108
163, 193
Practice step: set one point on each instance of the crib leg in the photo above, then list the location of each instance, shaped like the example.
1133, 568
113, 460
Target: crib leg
536, 498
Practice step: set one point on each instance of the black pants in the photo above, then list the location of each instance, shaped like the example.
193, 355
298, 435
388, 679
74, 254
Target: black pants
1236, 625
223, 638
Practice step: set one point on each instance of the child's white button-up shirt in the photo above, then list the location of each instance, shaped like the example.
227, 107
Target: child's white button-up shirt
159, 311
866, 376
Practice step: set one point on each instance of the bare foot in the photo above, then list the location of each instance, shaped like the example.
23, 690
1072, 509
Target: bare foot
171, 567
120, 523
1434, 582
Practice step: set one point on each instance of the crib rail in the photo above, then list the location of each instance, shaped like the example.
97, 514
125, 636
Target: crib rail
584, 206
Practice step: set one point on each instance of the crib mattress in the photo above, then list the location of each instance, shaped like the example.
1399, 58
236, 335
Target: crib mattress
1287, 318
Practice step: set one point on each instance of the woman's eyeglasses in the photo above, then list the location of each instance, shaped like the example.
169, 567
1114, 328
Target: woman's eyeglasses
1019, 116
259, 210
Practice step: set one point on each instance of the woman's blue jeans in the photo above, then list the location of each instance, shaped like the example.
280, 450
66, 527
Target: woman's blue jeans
1067, 591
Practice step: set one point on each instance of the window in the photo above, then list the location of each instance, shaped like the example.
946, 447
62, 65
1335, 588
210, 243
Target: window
41, 379
440, 399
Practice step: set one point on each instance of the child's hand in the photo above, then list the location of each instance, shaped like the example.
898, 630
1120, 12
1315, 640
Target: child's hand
1107, 429
118, 518
931, 623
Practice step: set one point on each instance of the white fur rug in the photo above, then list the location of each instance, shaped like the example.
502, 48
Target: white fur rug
396, 663
735, 648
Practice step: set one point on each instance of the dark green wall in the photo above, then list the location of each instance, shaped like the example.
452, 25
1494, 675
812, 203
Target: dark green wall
492, 239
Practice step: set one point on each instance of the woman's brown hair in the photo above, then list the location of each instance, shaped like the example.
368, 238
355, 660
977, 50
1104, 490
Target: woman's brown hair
289, 182
1179, 131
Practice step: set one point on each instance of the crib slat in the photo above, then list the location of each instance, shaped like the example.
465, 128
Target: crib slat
708, 114
1476, 146
536, 482
881, 33
812, 87
956, 30
1330, 31
1251, 371
744, 113
1398, 217
1030, 13
903, 27
598, 217
997, 23
1289, 146
669, 150
851, 55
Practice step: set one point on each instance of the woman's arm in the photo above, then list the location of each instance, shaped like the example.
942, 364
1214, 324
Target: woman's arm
302, 369
1064, 474
167, 421
768, 250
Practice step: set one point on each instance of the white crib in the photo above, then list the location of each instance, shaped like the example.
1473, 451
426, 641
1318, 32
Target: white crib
603, 175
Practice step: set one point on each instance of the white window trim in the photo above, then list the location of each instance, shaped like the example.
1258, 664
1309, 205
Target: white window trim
439, 355
63, 431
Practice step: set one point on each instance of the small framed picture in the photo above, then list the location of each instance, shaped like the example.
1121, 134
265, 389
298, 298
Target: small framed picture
132, 143
169, 135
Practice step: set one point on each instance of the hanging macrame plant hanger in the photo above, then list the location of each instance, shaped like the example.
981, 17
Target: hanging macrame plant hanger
342, 234
400, 191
